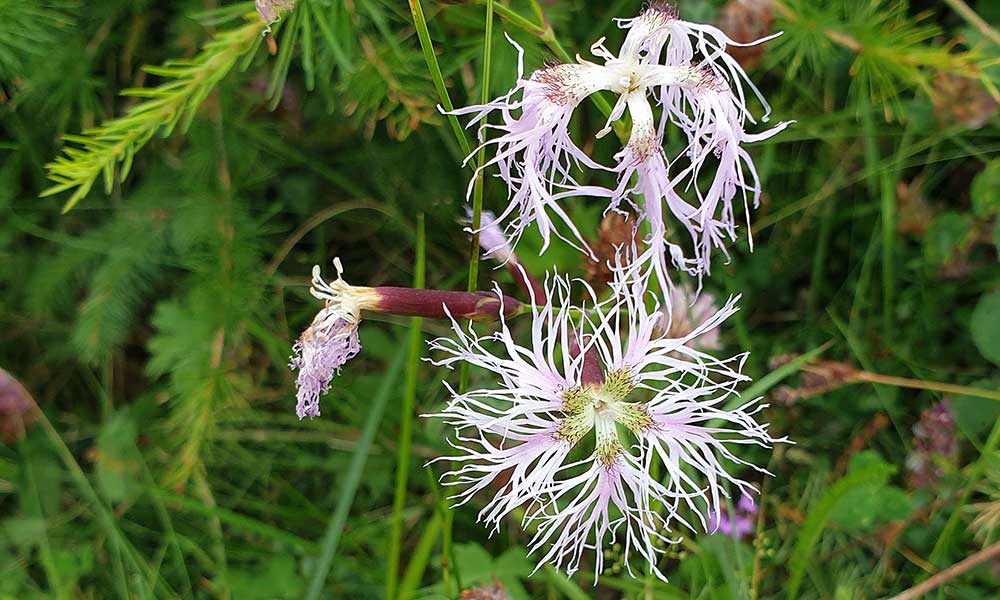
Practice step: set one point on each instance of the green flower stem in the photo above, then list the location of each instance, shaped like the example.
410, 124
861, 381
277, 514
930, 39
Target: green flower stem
420, 24
406, 416
349, 484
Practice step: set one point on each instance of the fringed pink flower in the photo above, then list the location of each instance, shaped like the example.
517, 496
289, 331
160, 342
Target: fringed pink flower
546, 436
698, 88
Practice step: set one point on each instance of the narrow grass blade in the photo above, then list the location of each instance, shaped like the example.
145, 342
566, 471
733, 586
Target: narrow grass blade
420, 557
420, 24
406, 415
328, 546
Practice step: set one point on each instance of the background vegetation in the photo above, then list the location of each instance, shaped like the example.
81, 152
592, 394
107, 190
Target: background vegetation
152, 322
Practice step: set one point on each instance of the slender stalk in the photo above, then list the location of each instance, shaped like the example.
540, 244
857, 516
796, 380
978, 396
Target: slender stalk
447, 551
420, 24
349, 485
974, 19
406, 424
479, 184
950, 573
921, 384
419, 558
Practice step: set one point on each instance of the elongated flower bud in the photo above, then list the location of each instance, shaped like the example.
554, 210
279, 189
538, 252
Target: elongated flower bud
495, 245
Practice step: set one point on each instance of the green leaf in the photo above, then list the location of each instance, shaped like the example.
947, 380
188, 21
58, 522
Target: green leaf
478, 567
73, 563
985, 326
945, 235
820, 514
985, 191
119, 464
871, 504
974, 416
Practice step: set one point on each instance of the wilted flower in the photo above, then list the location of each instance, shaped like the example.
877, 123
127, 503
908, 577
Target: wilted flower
615, 232
589, 373
332, 338
492, 591
958, 99
741, 522
684, 67
746, 21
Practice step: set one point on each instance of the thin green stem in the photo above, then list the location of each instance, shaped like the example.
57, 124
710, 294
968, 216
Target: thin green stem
420, 24
479, 184
975, 473
349, 485
974, 19
406, 416
922, 384
515, 19
419, 558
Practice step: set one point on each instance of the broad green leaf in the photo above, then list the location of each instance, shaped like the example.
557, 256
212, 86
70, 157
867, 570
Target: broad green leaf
985, 326
945, 236
974, 416
819, 516
872, 504
985, 190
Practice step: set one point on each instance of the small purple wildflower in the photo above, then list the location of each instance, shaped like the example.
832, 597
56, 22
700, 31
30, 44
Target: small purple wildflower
742, 522
17, 408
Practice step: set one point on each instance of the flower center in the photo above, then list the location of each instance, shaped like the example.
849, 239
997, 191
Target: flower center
600, 408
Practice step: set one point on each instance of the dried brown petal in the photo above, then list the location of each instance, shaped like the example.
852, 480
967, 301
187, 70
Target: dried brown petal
746, 21
958, 99
616, 232
913, 212
493, 591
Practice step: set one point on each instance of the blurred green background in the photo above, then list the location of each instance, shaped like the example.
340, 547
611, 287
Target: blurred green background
153, 321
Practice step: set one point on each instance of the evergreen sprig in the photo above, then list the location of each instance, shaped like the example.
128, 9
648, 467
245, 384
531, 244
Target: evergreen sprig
111, 147
26, 30
893, 50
